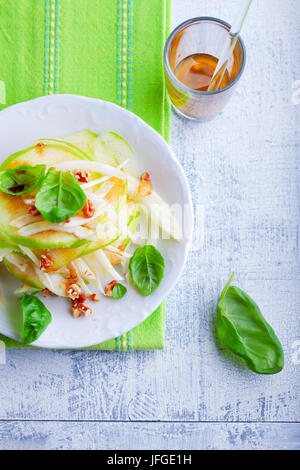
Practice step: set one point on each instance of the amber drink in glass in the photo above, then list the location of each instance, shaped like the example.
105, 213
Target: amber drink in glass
191, 56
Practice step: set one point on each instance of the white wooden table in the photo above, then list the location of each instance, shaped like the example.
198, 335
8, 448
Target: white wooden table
244, 169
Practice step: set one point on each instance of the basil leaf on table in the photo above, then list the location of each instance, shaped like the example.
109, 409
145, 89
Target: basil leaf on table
118, 291
36, 318
59, 196
146, 269
242, 328
21, 179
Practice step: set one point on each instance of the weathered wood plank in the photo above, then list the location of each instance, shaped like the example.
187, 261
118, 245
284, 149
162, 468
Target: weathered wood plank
244, 169
106, 436
111, 386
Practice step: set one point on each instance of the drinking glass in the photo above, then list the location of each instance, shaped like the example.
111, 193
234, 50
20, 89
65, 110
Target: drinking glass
202, 35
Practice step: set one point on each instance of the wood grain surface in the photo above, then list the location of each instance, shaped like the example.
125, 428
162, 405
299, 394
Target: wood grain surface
243, 169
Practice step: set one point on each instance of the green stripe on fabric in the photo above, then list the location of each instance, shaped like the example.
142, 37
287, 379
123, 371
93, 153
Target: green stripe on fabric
119, 56
51, 47
125, 342
148, 71
56, 40
123, 48
124, 52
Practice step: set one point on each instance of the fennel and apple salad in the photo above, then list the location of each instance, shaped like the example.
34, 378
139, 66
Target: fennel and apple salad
69, 213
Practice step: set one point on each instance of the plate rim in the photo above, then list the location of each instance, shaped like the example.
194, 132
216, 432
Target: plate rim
186, 187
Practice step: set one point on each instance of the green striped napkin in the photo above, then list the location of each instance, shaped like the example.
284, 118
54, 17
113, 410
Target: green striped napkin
108, 49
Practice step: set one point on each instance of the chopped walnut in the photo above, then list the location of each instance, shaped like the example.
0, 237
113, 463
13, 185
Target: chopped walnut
76, 310
45, 262
72, 274
95, 298
46, 292
87, 273
145, 177
32, 210
72, 291
85, 309
82, 176
81, 298
109, 288
40, 147
145, 187
79, 308
88, 209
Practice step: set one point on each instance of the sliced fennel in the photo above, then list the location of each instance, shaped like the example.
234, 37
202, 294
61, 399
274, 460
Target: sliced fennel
95, 182
84, 269
17, 261
96, 269
27, 219
29, 253
81, 282
38, 227
107, 266
4, 253
97, 167
104, 167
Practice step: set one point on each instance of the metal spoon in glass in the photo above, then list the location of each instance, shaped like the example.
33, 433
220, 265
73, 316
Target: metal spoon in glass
229, 47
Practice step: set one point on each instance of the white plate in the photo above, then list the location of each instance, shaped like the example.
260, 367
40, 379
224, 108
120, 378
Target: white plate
56, 116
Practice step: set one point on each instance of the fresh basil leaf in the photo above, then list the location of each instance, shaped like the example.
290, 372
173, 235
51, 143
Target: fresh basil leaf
118, 291
242, 328
21, 179
59, 196
36, 318
146, 269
